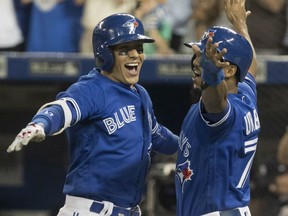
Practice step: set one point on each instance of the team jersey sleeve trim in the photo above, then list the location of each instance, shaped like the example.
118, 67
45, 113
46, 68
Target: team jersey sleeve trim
251, 82
76, 107
63, 102
248, 78
155, 128
218, 122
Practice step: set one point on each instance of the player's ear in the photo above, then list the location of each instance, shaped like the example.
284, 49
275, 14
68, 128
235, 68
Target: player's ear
230, 71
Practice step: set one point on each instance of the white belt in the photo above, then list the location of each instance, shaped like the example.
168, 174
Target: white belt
241, 211
104, 208
78, 202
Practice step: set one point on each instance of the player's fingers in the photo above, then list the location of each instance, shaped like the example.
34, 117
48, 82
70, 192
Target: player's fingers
209, 42
15, 146
11, 148
22, 138
196, 49
210, 47
27, 136
222, 53
214, 48
222, 64
213, 53
197, 53
227, 2
18, 147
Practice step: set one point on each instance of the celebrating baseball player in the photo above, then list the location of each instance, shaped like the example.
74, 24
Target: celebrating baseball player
219, 134
110, 125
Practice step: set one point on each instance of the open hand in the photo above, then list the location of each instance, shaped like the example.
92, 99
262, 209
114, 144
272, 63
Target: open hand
31, 133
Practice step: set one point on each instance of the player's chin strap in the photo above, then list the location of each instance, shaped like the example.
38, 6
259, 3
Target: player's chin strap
67, 112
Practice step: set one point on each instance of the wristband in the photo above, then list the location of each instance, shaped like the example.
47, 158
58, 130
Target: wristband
211, 74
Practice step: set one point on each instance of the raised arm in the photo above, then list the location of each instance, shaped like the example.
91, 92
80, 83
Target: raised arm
214, 96
237, 15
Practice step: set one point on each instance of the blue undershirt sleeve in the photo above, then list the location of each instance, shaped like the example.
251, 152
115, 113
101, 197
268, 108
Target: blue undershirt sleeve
53, 118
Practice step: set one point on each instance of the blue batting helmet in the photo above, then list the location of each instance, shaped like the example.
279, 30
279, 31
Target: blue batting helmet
239, 50
115, 29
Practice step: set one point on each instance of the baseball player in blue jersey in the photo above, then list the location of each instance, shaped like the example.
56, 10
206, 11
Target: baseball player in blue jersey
219, 134
110, 125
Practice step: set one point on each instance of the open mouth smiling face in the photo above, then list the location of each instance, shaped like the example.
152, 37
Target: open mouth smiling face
132, 67
128, 60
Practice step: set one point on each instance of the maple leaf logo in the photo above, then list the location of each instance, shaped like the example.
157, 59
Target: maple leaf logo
184, 173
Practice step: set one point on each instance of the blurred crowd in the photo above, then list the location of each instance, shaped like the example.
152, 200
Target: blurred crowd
67, 25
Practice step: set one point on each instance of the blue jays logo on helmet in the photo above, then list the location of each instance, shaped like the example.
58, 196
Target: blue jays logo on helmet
115, 29
239, 50
132, 25
207, 34
184, 173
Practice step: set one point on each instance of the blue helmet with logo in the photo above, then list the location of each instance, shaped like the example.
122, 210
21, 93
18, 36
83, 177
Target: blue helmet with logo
239, 50
115, 29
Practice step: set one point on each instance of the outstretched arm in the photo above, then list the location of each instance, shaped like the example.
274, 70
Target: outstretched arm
48, 121
237, 16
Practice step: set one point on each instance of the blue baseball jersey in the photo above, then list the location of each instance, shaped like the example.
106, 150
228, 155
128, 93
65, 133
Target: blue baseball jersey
215, 158
113, 133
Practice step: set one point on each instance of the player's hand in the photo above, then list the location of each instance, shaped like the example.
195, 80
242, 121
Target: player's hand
210, 58
197, 53
211, 53
235, 11
31, 133
212, 63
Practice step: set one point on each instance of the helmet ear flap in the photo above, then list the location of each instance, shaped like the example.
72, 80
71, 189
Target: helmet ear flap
104, 58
